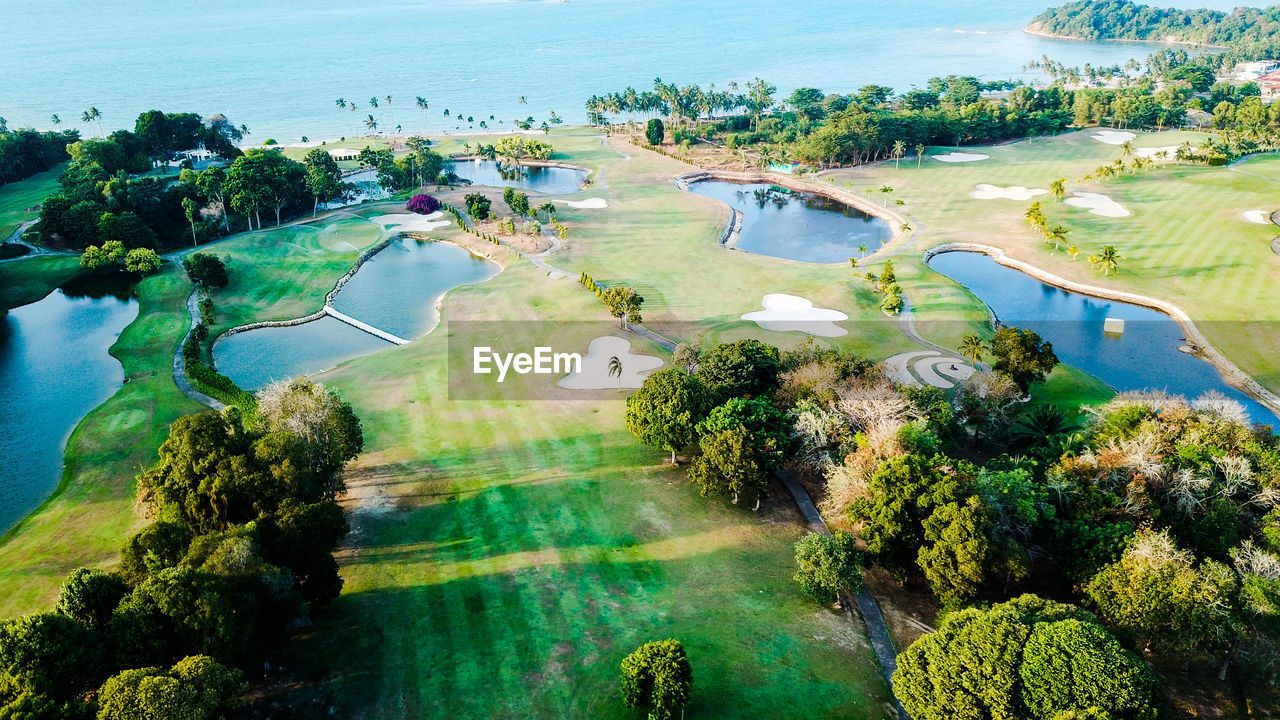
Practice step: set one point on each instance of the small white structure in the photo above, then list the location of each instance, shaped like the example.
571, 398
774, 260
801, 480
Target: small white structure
1113, 326
343, 153
1247, 71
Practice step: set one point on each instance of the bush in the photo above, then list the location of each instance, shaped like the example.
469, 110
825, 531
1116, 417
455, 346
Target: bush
205, 271
655, 131
657, 675
422, 204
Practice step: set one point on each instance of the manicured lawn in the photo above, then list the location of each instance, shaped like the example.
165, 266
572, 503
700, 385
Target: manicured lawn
29, 279
1186, 240
88, 518
16, 198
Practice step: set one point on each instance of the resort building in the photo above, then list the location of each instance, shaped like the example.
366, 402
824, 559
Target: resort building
1254, 70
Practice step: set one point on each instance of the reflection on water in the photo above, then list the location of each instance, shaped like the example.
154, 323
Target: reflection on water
798, 226
396, 290
547, 180
1144, 356
54, 369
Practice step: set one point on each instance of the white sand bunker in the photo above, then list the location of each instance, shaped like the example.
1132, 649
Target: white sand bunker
1098, 205
958, 157
1169, 150
786, 313
1261, 217
1113, 137
927, 367
412, 222
588, 204
1013, 192
594, 373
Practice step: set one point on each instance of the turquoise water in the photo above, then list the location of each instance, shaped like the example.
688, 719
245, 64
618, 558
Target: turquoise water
797, 226
54, 369
1144, 356
279, 66
397, 291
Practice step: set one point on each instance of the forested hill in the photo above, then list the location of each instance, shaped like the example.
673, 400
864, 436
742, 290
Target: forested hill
1242, 28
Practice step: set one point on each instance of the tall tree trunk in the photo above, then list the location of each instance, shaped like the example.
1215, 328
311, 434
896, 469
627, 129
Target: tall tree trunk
673, 457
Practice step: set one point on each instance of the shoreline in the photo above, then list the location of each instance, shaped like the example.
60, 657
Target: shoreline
1036, 28
1203, 349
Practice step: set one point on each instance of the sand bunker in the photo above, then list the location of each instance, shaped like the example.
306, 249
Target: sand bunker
1013, 192
411, 222
1169, 150
1113, 137
927, 367
1098, 205
786, 313
1261, 217
588, 204
958, 157
594, 373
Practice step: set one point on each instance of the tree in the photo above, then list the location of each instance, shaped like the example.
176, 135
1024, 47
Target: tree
329, 427
1022, 355
1026, 658
92, 114
658, 676
828, 564
422, 204
742, 368
654, 131
196, 688
1058, 188
205, 271
899, 149
90, 597
48, 653
324, 177
624, 304
902, 494
960, 556
971, 348
615, 369
142, 261
191, 209
112, 252
729, 464
1108, 260
478, 206
665, 411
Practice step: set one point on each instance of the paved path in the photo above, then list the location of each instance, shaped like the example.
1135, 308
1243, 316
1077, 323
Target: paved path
868, 608
179, 367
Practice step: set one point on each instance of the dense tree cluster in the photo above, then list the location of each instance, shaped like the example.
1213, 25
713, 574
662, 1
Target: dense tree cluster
1128, 20
25, 152
244, 525
657, 676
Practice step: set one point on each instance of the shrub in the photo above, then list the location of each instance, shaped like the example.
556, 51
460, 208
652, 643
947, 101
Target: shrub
422, 204
655, 131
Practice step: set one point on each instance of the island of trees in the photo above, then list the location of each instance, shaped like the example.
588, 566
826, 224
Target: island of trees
1251, 32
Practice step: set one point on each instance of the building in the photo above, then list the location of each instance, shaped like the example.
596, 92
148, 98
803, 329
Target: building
1269, 84
1256, 69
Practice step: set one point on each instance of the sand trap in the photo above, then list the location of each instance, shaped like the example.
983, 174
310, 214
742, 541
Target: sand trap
1261, 217
1013, 192
594, 373
1113, 137
1171, 150
412, 222
958, 157
588, 204
927, 367
786, 313
1098, 205
340, 152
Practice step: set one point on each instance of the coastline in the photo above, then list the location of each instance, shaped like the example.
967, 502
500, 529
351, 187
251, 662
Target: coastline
1205, 350
1036, 28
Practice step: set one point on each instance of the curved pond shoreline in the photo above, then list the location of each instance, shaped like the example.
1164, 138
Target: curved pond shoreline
733, 228
1200, 345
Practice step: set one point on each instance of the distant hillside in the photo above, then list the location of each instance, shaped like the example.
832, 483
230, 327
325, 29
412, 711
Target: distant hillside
1243, 29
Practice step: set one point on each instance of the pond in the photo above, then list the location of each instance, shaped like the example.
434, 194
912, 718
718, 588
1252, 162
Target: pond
546, 180
797, 226
397, 290
55, 369
1144, 356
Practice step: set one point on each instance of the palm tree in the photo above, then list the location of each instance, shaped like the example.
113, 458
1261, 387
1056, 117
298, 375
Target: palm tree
523, 100
1073, 251
919, 155
1058, 188
1108, 260
244, 129
421, 102
863, 249
971, 348
56, 120
373, 103
93, 114
899, 149
1126, 149
885, 190
1056, 234
370, 123
615, 369
341, 103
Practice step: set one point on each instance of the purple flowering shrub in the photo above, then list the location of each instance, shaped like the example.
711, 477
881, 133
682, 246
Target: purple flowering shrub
423, 204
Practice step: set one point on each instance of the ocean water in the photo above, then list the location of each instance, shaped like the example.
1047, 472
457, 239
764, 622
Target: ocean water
279, 66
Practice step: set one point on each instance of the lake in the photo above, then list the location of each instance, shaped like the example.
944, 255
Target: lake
1145, 356
397, 290
797, 226
279, 67
545, 180
55, 369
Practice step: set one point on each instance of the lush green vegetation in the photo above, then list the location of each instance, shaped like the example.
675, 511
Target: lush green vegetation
19, 201
1249, 30
24, 153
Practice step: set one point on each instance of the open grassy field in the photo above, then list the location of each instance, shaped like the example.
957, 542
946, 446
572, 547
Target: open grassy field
1186, 240
17, 197
92, 512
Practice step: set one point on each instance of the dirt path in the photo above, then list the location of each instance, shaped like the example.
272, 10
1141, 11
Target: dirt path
179, 367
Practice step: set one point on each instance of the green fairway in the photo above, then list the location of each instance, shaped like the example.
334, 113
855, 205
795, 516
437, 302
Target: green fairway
17, 199
26, 280
1186, 240
91, 514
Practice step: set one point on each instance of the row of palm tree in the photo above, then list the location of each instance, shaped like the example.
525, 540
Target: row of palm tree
690, 102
